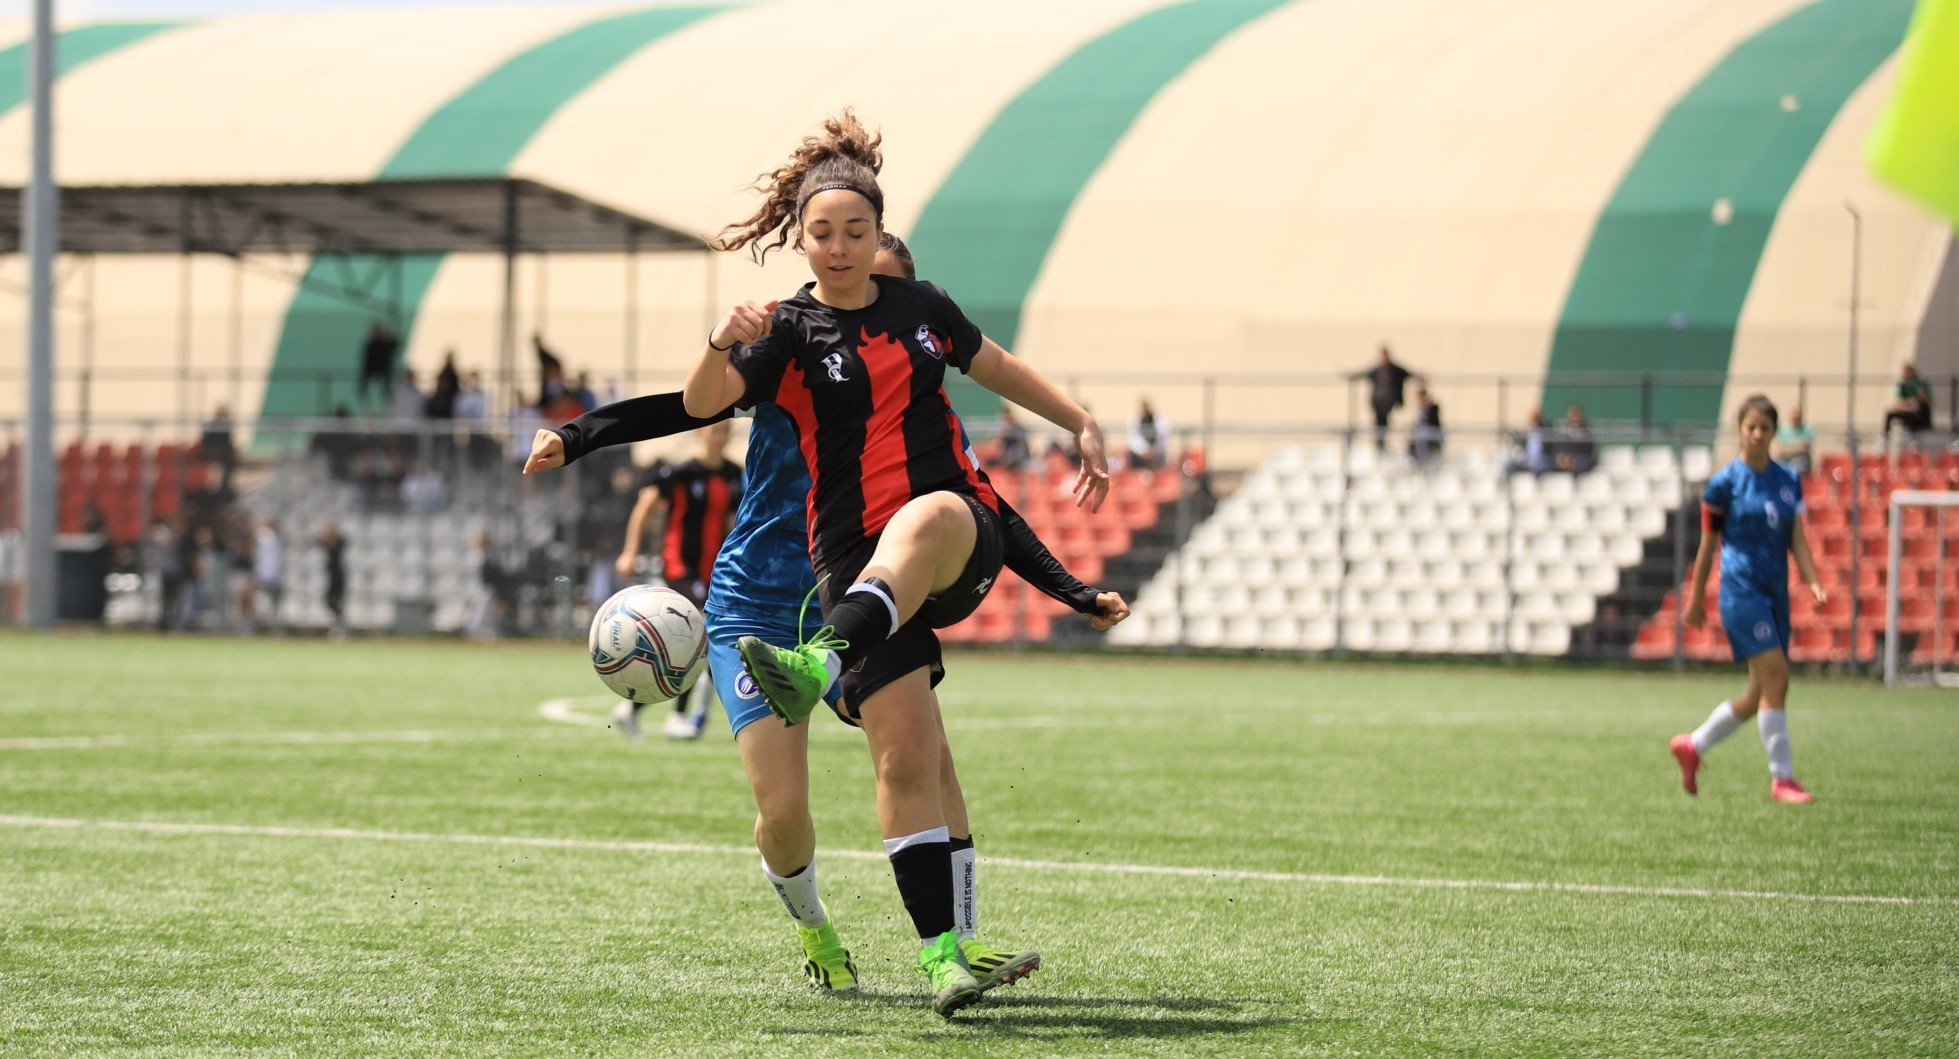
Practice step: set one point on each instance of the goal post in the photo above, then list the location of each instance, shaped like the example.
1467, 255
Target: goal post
1932, 660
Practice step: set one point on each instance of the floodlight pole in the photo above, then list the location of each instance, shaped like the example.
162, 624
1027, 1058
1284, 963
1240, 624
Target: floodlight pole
41, 216
507, 336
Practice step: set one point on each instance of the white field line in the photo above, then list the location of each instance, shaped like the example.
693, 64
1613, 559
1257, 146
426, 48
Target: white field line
421, 735
1377, 881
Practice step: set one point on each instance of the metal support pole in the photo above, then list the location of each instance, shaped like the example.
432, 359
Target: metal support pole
1681, 520
184, 409
632, 311
88, 339
1896, 547
543, 299
237, 366
41, 218
1850, 429
507, 326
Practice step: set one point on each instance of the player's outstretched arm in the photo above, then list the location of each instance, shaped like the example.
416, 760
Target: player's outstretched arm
1010, 377
713, 385
1028, 556
658, 415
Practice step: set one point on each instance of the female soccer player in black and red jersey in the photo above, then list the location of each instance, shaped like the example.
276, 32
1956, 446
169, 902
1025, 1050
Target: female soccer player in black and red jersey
903, 529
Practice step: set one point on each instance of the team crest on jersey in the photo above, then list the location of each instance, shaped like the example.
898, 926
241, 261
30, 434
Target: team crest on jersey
932, 341
1789, 498
834, 364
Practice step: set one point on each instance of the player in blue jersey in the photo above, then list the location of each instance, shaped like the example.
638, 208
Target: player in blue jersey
1755, 507
757, 588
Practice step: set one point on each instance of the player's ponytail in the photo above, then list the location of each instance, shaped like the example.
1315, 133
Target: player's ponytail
1758, 403
846, 155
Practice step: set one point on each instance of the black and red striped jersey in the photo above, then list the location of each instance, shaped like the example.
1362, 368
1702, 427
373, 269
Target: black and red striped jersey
700, 502
865, 389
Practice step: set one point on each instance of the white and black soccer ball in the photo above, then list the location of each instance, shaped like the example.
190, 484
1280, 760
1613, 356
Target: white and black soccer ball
647, 643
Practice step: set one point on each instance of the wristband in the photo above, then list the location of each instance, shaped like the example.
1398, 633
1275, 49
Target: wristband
719, 349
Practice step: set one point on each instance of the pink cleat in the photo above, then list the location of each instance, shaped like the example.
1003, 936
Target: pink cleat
1791, 792
1690, 761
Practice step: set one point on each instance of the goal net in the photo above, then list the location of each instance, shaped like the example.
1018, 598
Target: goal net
1921, 602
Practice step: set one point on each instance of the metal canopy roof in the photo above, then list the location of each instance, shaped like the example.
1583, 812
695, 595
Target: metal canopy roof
493, 215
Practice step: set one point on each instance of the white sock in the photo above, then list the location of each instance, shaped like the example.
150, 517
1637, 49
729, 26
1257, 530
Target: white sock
923, 838
965, 899
798, 893
832, 665
1775, 743
1719, 725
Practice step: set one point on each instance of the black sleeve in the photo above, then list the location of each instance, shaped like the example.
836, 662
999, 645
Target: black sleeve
762, 362
962, 333
1029, 558
656, 415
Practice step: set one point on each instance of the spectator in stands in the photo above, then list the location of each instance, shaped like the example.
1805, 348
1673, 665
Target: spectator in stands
1573, 449
1425, 440
163, 565
422, 491
581, 391
335, 548
493, 590
216, 445
269, 573
407, 405
1014, 450
1912, 408
1533, 451
377, 361
240, 585
441, 403
1793, 443
472, 403
1149, 437
1386, 382
336, 444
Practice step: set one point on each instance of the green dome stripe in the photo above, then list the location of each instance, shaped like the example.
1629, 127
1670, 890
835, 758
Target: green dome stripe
476, 134
1661, 286
72, 48
987, 230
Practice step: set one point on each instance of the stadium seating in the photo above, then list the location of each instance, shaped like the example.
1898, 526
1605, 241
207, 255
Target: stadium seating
1319, 549
1083, 542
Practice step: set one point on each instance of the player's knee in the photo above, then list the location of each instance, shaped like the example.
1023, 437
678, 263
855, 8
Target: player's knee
932, 520
909, 774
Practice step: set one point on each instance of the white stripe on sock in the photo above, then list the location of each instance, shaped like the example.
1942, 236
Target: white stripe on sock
890, 605
905, 842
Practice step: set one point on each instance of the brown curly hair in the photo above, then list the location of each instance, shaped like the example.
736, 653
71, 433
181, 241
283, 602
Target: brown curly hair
845, 154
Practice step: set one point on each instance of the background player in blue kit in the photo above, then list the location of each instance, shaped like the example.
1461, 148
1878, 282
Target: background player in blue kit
1755, 506
758, 584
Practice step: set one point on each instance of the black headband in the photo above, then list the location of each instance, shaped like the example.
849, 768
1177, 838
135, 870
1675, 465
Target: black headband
874, 200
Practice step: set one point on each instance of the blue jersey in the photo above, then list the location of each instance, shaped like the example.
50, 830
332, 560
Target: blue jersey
764, 568
1759, 509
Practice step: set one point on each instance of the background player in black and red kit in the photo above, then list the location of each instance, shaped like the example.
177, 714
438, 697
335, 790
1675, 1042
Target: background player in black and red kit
700, 497
902, 526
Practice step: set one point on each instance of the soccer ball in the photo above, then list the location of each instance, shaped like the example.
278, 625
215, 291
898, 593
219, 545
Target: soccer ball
647, 643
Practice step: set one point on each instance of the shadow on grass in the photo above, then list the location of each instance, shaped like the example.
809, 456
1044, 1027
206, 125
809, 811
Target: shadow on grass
1110, 1018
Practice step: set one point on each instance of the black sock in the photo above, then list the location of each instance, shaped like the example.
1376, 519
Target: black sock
680, 701
924, 874
865, 616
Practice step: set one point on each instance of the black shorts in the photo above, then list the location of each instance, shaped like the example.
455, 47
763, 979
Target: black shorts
958, 602
914, 646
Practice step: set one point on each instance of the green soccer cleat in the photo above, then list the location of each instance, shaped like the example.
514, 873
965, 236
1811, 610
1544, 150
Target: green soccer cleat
827, 963
952, 981
997, 968
792, 680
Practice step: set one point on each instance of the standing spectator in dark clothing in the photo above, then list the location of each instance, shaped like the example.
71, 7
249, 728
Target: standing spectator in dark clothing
1386, 382
377, 361
163, 558
1573, 449
336, 444
335, 548
1014, 449
441, 402
550, 374
1912, 408
217, 447
582, 392
1149, 438
1425, 441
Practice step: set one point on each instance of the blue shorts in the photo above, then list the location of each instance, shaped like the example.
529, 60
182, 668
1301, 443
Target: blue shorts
1754, 621
740, 698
